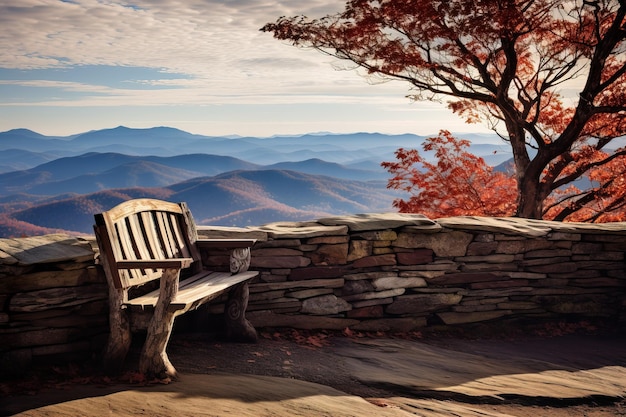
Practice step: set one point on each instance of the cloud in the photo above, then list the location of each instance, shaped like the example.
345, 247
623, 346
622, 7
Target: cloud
187, 36
215, 44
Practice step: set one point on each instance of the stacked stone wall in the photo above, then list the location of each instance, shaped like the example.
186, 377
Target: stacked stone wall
381, 272
404, 272
53, 301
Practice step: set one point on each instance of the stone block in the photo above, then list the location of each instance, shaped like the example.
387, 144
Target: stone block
488, 259
373, 302
38, 337
574, 237
374, 295
226, 232
330, 255
600, 256
313, 292
47, 249
473, 308
328, 240
359, 249
301, 230
416, 257
325, 305
523, 246
484, 237
372, 261
267, 277
524, 275
499, 284
46, 279
517, 305
376, 235
502, 292
584, 248
482, 248
382, 251
487, 267
463, 278
280, 304
598, 282
279, 262
318, 272
266, 295
368, 275
387, 283
556, 268
357, 287
57, 298
366, 312
275, 252
444, 244
606, 237
422, 303
451, 318
282, 243
548, 253
381, 221
311, 283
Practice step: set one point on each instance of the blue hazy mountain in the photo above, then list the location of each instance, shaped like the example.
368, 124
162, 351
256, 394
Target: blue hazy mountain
55, 183
237, 198
89, 172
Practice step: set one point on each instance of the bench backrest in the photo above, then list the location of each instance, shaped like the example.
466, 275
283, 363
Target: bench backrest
144, 229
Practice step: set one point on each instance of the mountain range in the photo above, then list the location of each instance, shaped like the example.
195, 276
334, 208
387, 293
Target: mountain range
52, 183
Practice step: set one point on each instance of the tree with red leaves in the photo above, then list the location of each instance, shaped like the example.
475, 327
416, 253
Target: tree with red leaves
506, 63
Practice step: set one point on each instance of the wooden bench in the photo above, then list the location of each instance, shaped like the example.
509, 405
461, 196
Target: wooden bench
154, 244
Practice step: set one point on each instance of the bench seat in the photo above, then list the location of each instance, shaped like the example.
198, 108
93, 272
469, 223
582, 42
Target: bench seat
194, 291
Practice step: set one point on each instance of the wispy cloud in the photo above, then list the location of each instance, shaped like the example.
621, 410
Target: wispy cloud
211, 41
114, 53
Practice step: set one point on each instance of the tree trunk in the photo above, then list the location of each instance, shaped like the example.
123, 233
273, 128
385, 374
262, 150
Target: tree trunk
154, 361
530, 202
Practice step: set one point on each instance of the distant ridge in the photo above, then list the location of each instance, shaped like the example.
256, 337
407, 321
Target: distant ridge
236, 198
50, 183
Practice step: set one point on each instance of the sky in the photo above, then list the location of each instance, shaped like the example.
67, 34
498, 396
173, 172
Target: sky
203, 66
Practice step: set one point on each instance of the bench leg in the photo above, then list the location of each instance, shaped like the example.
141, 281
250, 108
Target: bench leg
154, 361
238, 328
119, 334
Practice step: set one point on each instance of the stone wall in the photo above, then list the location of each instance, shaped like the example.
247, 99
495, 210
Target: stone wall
397, 272
380, 272
53, 301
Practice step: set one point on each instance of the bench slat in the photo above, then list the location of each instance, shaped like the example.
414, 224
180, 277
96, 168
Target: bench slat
199, 288
177, 237
153, 241
165, 234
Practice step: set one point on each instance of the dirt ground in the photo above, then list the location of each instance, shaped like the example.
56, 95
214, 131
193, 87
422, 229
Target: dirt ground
296, 356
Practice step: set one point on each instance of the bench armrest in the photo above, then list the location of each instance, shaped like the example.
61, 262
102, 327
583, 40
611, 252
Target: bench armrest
174, 263
225, 243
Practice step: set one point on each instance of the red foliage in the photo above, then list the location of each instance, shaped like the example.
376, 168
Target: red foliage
458, 183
